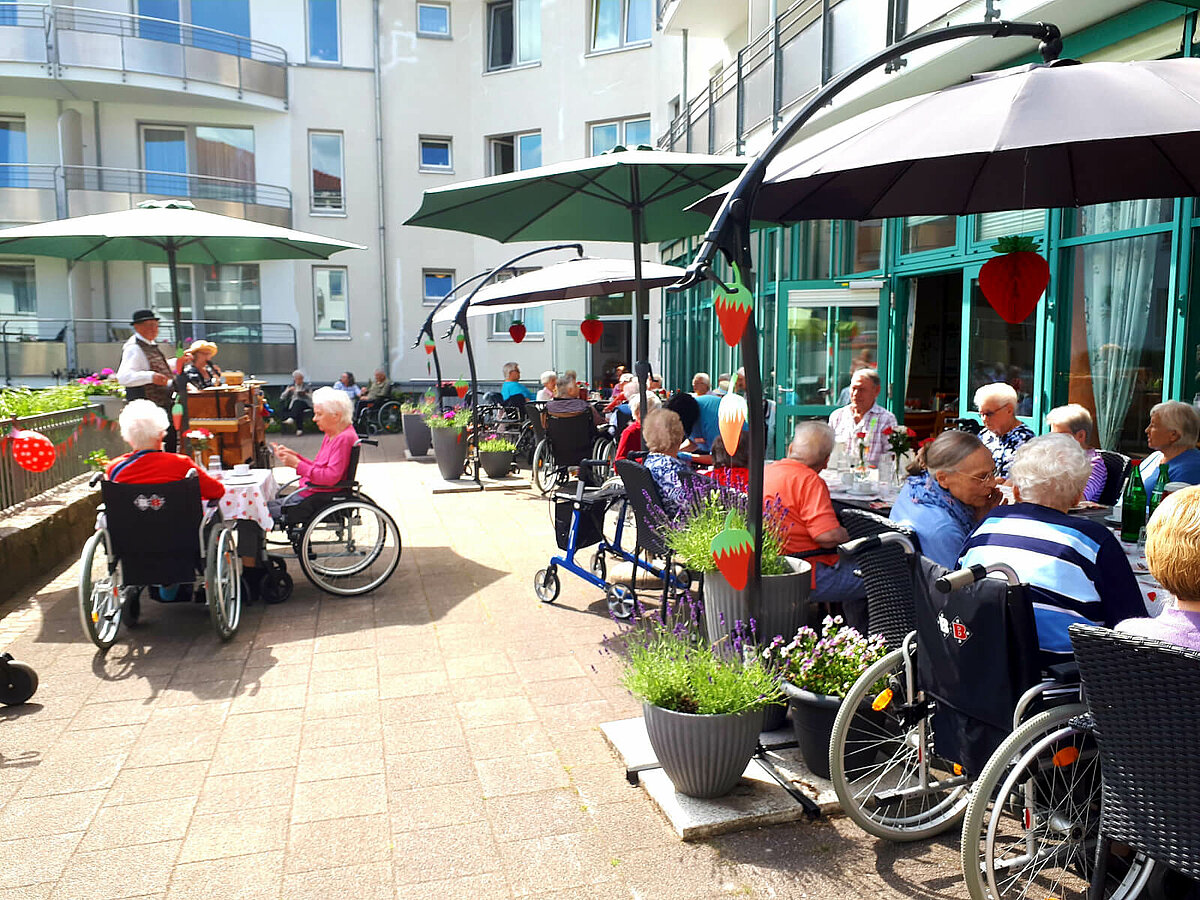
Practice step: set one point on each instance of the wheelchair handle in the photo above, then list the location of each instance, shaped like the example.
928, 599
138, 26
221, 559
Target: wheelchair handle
953, 581
874, 542
95, 479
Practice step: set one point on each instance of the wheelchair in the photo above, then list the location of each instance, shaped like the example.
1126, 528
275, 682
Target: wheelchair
382, 417
156, 534
568, 441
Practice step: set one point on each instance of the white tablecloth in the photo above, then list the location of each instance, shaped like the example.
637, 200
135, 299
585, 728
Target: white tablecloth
1157, 597
246, 496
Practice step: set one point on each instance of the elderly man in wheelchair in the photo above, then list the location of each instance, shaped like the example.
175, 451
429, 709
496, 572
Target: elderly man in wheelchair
154, 532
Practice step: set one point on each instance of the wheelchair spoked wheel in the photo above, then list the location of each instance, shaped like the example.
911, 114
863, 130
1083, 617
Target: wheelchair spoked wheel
100, 600
1032, 823
350, 548
223, 583
546, 584
875, 761
543, 468
622, 601
389, 417
18, 682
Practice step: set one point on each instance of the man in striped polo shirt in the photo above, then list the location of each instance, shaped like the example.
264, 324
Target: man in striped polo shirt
1075, 568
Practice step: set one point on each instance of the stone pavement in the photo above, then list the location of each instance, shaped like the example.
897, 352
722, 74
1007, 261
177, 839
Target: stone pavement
435, 739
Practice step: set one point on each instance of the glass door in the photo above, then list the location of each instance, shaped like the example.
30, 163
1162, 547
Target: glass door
164, 150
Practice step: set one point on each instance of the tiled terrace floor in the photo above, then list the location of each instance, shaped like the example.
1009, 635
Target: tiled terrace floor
435, 739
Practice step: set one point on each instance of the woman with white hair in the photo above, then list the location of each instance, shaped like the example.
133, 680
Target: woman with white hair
143, 427
1004, 433
1172, 434
1075, 568
333, 412
549, 380
631, 438
1076, 421
296, 401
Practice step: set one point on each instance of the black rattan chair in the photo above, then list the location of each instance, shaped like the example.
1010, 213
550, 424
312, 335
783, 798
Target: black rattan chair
642, 493
1143, 697
1117, 465
887, 575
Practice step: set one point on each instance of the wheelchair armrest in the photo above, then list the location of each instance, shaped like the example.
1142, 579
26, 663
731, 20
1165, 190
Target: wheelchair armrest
95, 479
874, 542
1065, 672
373, 442
805, 554
638, 455
593, 462
953, 581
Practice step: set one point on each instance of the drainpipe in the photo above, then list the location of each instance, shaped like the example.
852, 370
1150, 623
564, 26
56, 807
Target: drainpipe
379, 175
99, 176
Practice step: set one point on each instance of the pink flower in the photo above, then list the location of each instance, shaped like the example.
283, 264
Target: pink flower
861, 435
106, 372
888, 430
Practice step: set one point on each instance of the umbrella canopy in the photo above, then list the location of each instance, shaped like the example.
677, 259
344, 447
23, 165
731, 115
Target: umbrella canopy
568, 280
1060, 135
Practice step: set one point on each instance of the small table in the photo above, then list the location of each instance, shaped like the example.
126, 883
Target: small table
245, 502
872, 495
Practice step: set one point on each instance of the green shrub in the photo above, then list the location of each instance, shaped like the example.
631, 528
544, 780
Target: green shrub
496, 444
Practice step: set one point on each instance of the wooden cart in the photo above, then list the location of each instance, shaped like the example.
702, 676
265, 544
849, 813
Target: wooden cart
234, 415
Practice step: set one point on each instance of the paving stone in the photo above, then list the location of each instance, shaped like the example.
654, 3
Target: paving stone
371, 881
548, 668
118, 872
521, 774
339, 798
521, 817
557, 862
276, 723
245, 790
508, 740
58, 814
457, 852
157, 783
451, 804
416, 736
139, 823
332, 843
339, 732
499, 711
429, 768
250, 756
235, 833
231, 878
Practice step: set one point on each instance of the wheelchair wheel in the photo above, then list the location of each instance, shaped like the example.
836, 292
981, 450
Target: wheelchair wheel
99, 591
1032, 823
131, 608
545, 584
350, 548
18, 682
544, 477
885, 776
622, 601
599, 565
223, 583
389, 417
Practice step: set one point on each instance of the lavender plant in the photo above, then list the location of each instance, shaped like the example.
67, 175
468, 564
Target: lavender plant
826, 663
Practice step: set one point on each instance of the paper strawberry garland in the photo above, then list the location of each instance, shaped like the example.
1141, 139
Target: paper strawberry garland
731, 416
33, 451
516, 331
732, 550
1014, 282
591, 328
460, 387
734, 308
460, 339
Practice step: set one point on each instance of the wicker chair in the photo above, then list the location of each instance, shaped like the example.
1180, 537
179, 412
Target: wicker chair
1117, 465
1143, 696
887, 574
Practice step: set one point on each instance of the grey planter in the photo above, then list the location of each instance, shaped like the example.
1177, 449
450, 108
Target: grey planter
780, 610
450, 449
416, 434
704, 756
497, 463
813, 716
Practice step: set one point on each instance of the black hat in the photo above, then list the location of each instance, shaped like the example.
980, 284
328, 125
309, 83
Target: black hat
143, 315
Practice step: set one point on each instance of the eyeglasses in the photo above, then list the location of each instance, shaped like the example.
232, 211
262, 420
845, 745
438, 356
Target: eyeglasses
987, 414
982, 479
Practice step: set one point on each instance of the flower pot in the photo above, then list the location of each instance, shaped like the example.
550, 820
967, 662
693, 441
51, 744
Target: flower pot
497, 463
450, 449
416, 434
780, 609
774, 717
812, 722
110, 405
704, 756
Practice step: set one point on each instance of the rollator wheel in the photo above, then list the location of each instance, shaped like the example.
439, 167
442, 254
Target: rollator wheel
545, 584
622, 601
18, 682
599, 566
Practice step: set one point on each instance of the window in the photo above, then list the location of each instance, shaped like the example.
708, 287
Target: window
229, 17
167, 11
178, 158
514, 33
435, 155
324, 45
165, 150
514, 152
433, 20
923, 233
225, 294
623, 132
325, 162
331, 310
14, 152
18, 289
620, 23
437, 284
530, 316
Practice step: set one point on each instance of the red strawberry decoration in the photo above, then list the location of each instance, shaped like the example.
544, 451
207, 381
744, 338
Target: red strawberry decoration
33, 451
460, 339
1014, 282
591, 328
430, 346
732, 550
516, 331
460, 388
733, 309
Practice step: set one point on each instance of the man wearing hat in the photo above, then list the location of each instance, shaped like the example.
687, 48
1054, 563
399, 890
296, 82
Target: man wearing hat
145, 373
201, 372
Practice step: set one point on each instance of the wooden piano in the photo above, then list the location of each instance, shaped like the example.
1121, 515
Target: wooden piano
234, 414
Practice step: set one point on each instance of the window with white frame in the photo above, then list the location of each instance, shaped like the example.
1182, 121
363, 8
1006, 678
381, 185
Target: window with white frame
324, 39
436, 155
529, 316
433, 20
621, 23
623, 132
327, 172
331, 303
514, 152
14, 152
435, 285
514, 33
18, 289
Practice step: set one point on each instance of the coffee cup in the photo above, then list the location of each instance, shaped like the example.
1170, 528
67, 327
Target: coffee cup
241, 469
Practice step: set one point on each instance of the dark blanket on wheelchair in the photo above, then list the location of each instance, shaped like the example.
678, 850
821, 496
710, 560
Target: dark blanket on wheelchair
976, 655
592, 507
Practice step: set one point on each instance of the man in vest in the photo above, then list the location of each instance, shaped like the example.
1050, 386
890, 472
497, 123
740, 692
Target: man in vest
145, 372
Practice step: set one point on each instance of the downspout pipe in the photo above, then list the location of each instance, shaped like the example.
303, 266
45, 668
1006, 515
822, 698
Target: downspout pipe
380, 171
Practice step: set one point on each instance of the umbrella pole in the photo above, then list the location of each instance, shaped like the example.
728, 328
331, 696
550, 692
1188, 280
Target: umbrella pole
177, 320
437, 371
641, 300
474, 430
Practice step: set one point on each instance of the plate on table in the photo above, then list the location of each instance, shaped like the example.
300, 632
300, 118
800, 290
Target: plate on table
232, 480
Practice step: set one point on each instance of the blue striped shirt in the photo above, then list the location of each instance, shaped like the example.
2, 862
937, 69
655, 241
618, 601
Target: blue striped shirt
1075, 568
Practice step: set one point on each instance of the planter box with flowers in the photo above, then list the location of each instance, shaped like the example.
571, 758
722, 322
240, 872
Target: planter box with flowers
449, 432
496, 456
103, 389
412, 417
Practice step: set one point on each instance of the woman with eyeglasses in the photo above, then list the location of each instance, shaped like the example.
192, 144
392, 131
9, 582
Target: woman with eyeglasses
1003, 431
952, 485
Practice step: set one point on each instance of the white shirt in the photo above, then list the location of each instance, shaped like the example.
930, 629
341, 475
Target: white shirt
845, 431
135, 370
544, 395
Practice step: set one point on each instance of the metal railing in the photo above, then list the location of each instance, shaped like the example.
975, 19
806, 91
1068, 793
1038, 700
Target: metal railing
176, 184
18, 485
37, 176
66, 37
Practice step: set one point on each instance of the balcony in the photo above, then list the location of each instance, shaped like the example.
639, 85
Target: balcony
122, 56
38, 193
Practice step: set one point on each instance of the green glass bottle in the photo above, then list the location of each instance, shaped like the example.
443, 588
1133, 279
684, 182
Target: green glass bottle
1160, 489
1133, 506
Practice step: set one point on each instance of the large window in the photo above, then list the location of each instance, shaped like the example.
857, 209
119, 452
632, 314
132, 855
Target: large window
530, 316
923, 233
436, 155
225, 155
324, 44
221, 25
331, 308
514, 152
165, 150
433, 20
514, 33
328, 169
623, 132
226, 293
18, 289
435, 285
820, 368
1000, 351
621, 23
14, 152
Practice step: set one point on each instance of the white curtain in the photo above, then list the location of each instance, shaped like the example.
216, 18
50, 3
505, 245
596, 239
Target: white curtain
1117, 280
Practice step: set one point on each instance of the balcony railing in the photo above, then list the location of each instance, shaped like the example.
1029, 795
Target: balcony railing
63, 38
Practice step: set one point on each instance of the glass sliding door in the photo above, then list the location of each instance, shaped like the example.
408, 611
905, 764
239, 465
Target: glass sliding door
164, 150
996, 351
226, 153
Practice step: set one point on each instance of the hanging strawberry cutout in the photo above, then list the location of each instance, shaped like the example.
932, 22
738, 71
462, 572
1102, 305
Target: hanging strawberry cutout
460, 388
430, 346
516, 331
734, 308
732, 550
460, 339
731, 416
1013, 283
33, 451
591, 328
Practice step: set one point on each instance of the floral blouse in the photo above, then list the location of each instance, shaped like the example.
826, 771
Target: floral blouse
1003, 447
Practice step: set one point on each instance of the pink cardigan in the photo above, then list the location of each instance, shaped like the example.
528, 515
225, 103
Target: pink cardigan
331, 464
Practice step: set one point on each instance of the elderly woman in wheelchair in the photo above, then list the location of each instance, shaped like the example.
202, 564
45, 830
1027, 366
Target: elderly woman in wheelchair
153, 532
